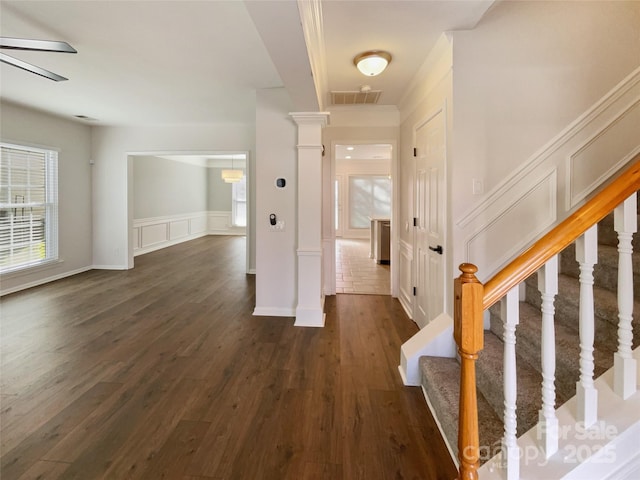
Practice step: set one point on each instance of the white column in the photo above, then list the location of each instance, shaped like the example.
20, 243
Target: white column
586, 393
310, 306
547, 420
624, 365
510, 450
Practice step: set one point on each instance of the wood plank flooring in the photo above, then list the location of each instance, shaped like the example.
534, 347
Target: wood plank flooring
162, 372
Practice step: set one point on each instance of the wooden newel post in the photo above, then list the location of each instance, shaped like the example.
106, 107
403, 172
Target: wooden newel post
468, 333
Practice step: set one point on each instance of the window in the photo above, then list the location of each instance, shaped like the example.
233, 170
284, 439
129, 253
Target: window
239, 202
28, 207
369, 196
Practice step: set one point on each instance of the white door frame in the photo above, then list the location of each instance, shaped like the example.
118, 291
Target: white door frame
330, 243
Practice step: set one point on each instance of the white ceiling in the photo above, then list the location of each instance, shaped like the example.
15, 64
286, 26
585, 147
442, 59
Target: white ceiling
193, 62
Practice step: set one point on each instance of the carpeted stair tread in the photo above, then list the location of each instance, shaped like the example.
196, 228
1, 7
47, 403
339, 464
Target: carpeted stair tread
444, 395
607, 234
528, 346
567, 312
490, 381
605, 272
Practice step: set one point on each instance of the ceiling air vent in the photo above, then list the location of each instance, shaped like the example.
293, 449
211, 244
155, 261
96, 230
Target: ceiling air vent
355, 97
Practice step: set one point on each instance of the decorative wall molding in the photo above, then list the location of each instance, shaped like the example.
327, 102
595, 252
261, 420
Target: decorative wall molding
312, 27
406, 277
504, 230
150, 234
619, 139
575, 164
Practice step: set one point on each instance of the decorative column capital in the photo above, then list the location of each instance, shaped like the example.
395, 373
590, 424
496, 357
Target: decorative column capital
311, 118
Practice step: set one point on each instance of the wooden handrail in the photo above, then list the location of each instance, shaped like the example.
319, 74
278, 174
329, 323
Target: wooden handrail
564, 234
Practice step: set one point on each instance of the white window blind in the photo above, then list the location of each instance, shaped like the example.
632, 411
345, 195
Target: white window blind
28, 207
239, 202
369, 196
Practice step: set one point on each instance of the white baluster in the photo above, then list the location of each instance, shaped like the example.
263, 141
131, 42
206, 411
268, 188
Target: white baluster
510, 450
586, 394
547, 420
624, 366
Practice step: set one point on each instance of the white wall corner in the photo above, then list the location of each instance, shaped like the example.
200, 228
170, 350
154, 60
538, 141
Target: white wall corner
435, 339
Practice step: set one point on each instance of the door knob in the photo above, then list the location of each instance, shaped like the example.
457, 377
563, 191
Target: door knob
437, 249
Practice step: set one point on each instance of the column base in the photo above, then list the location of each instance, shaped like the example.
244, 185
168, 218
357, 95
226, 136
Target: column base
309, 317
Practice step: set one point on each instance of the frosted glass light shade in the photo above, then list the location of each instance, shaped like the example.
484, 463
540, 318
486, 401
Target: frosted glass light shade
372, 63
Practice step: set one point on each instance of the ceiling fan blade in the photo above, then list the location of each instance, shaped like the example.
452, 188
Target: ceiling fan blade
38, 45
31, 68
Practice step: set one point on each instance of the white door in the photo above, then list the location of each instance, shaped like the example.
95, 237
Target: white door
430, 219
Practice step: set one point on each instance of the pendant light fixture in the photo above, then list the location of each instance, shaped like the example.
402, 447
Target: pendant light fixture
232, 176
372, 62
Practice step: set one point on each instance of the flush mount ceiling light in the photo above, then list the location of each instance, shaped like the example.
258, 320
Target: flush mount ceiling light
232, 176
373, 62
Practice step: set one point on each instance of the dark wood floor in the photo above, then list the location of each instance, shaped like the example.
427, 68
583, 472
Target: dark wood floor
163, 372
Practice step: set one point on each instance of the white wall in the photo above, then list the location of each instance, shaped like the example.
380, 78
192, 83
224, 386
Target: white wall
218, 191
165, 187
113, 192
276, 157
521, 76
29, 127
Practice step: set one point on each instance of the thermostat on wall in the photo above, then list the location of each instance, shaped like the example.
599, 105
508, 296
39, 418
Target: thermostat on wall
280, 182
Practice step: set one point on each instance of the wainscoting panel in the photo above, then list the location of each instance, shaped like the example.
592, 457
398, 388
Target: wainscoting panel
406, 277
219, 221
154, 234
511, 229
151, 234
198, 225
178, 229
595, 146
618, 140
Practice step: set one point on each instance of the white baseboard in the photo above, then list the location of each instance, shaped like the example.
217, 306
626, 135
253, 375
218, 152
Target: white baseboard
42, 281
274, 312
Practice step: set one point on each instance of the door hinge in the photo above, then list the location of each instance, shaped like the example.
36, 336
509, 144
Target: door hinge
415, 152
415, 221
415, 291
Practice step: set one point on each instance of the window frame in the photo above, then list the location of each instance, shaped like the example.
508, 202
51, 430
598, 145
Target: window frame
10, 152
235, 201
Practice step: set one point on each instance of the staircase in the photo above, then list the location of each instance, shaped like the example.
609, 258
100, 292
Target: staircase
439, 375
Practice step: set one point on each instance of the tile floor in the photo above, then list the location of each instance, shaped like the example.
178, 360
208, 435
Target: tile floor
356, 272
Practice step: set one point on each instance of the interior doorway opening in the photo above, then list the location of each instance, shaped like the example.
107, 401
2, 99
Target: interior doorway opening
177, 197
363, 202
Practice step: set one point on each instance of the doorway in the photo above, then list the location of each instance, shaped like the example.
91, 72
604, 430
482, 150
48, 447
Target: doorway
363, 195
175, 198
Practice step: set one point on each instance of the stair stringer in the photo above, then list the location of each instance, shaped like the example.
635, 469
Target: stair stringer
607, 450
434, 340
